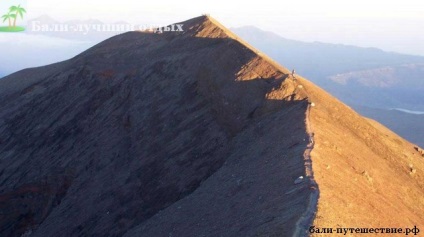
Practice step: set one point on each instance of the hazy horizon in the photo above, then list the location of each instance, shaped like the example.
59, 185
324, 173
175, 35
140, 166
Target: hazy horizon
393, 26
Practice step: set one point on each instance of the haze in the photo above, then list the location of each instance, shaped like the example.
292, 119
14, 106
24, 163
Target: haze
393, 26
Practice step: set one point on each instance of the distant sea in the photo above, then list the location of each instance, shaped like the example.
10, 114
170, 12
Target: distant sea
408, 111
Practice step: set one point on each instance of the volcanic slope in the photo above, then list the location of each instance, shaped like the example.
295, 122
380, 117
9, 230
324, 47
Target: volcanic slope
367, 175
191, 133
100, 143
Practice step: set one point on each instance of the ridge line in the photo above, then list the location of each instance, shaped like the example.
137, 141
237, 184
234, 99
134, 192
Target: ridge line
306, 220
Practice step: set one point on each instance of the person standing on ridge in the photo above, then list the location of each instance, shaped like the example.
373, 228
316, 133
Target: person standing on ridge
293, 72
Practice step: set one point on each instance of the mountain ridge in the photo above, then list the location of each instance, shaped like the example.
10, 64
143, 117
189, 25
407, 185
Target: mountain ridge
105, 134
357, 76
188, 134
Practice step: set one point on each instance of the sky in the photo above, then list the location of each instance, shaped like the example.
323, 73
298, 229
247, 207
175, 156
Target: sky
392, 25
395, 25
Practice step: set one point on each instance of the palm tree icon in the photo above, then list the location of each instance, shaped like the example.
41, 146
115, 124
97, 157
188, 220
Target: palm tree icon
14, 13
17, 11
9, 17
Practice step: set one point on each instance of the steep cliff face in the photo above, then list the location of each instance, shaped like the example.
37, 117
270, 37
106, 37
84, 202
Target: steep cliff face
191, 133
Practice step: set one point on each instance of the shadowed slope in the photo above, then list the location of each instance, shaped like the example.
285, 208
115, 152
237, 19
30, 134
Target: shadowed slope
191, 134
141, 121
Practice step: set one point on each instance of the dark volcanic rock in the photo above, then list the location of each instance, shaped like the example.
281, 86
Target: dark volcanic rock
101, 143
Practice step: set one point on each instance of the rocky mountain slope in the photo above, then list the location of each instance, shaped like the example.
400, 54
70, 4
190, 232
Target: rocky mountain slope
410, 126
191, 133
360, 77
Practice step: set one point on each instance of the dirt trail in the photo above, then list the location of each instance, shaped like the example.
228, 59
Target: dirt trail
307, 218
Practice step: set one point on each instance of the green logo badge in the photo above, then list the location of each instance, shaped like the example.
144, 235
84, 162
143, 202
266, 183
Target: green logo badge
13, 16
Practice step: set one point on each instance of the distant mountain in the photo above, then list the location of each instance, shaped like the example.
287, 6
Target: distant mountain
361, 77
321, 60
407, 125
43, 19
328, 64
192, 134
387, 87
402, 77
